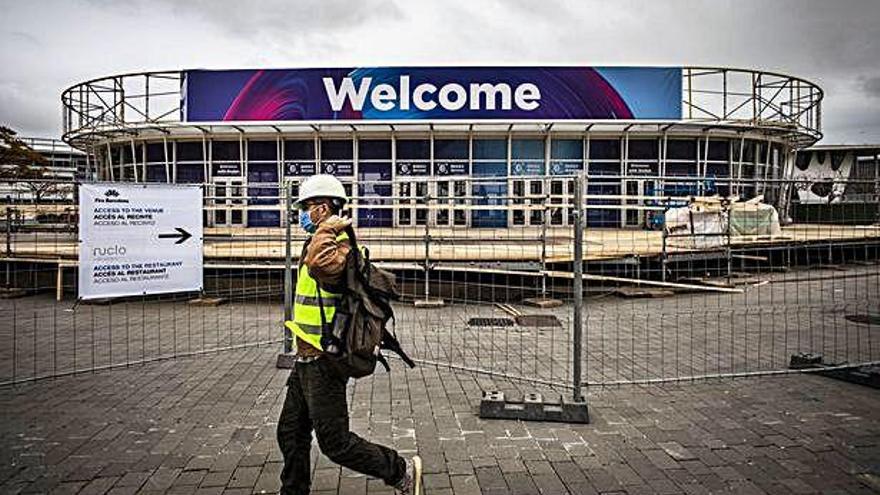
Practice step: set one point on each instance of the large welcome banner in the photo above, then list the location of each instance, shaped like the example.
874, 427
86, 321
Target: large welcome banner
428, 93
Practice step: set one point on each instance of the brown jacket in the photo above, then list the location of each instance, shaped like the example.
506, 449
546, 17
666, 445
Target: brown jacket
325, 259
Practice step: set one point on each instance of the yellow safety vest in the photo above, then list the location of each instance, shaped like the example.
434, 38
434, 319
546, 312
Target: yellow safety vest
306, 323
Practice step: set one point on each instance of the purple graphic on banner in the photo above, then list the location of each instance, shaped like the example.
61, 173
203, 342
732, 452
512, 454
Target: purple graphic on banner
405, 93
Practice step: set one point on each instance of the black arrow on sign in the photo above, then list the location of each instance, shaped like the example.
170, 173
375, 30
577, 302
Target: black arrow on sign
181, 234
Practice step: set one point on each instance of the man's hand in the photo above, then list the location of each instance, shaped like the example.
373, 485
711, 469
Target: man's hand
335, 223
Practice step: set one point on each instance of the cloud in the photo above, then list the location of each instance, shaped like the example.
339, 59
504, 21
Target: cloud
46, 46
871, 86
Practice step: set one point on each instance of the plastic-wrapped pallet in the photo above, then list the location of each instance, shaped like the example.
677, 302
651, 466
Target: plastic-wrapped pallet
695, 227
754, 219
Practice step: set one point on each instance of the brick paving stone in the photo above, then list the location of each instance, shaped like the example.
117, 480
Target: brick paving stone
128, 490
353, 485
676, 451
199, 462
190, 478
375, 487
660, 459
436, 481
465, 485
574, 479
98, 486
161, 479
244, 477
252, 460
491, 480
549, 483
461, 467
520, 483
268, 480
133, 478
216, 479
325, 479
206, 425
68, 488
181, 490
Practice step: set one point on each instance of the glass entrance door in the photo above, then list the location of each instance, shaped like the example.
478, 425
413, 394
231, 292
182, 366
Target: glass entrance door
527, 202
561, 202
636, 197
411, 209
229, 196
451, 203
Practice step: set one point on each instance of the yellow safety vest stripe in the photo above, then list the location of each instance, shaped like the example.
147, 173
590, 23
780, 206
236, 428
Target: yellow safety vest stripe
306, 323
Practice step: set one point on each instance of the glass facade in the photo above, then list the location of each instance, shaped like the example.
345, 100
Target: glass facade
489, 172
374, 183
262, 175
482, 181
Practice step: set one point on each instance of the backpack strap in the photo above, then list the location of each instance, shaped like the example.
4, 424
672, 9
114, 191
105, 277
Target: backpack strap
327, 337
381, 359
351, 237
389, 341
302, 254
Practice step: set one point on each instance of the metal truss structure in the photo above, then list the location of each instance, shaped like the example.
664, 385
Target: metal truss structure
148, 104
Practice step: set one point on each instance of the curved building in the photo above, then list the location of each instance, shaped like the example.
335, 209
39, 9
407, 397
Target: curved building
483, 143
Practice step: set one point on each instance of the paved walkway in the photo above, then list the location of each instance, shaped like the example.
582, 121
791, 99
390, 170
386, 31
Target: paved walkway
206, 425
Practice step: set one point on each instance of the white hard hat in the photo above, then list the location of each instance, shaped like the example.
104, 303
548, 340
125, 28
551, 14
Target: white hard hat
321, 186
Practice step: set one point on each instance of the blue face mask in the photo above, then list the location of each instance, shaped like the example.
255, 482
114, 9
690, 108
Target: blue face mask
305, 221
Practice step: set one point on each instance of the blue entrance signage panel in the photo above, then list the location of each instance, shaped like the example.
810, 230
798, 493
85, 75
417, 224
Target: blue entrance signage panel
408, 168
451, 168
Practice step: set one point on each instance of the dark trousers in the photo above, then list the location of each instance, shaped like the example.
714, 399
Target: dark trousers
316, 401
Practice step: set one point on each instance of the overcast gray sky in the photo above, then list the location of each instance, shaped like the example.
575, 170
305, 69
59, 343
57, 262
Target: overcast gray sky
46, 46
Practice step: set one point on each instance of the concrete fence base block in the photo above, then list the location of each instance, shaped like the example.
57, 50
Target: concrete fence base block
429, 303
12, 293
533, 407
642, 292
101, 301
867, 375
208, 301
542, 302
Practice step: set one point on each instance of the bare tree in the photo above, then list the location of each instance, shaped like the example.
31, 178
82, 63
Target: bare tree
20, 163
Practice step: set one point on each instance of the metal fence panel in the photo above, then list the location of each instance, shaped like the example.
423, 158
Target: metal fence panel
672, 288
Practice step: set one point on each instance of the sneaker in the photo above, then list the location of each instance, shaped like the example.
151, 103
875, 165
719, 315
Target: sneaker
411, 484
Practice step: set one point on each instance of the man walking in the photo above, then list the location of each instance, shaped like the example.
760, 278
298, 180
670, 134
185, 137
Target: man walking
316, 397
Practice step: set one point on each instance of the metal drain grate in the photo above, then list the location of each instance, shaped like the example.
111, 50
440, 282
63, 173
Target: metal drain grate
538, 321
490, 322
864, 319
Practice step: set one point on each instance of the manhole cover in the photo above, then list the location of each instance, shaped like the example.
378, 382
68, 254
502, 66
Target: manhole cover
490, 322
865, 319
538, 321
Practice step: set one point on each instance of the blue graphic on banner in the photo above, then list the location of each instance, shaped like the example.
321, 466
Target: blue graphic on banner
404, 93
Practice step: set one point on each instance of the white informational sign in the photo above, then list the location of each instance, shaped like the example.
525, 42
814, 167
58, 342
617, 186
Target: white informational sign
138, 239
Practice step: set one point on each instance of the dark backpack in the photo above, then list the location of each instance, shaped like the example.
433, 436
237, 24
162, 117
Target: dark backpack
354, 340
